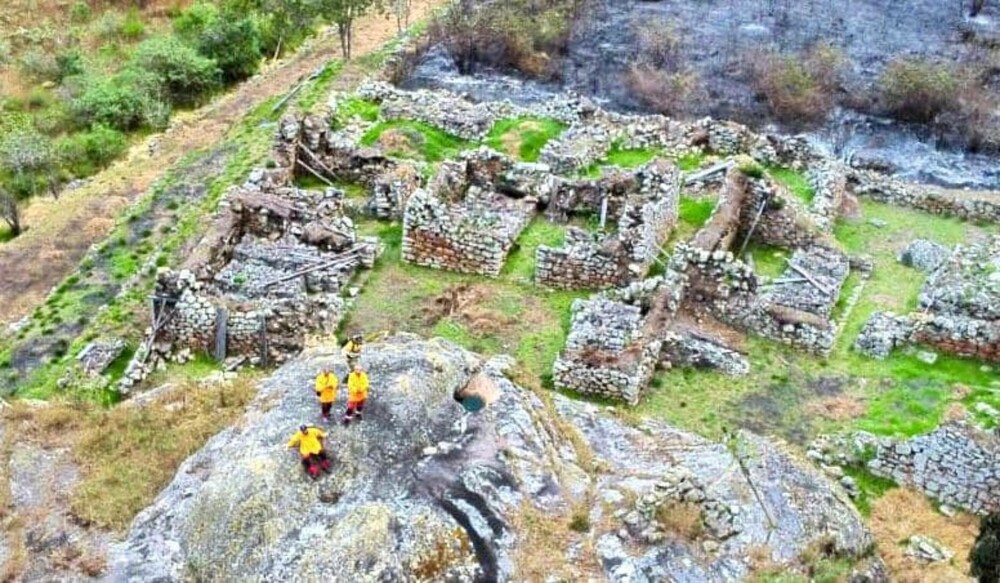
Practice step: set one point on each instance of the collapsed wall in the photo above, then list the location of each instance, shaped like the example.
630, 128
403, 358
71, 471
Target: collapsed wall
959, 309
647, 216
969, 206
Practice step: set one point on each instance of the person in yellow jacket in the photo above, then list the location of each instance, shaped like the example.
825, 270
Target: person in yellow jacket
357, 393
309, 440
352, 350
326, 391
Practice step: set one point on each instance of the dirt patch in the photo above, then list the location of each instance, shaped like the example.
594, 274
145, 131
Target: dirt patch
902, 513
839, 408
399, 142
466, 304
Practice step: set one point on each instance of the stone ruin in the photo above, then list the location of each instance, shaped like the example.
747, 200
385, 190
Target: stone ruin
274, 266
959, 306
278, 258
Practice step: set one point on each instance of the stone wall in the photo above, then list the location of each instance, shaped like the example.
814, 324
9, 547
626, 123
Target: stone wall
829, 180
785, 221
966, 205
583, 262
956, 464
472, 236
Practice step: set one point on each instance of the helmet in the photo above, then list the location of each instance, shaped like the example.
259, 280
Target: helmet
303, 428
357, 338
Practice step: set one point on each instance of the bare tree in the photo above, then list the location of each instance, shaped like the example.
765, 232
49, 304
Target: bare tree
401, 9
10, 212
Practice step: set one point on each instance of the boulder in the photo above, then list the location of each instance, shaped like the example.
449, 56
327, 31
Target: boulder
423, 489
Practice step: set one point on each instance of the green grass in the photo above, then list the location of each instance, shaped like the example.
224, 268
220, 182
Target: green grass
695, 211
872, 487
520, 265
526, 135
423, 140
768, 261
5, 234
507, 315
630, 157
795, 182
690, 161
356, 107
319, 88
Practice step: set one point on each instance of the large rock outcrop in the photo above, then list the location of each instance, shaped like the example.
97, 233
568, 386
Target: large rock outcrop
423, 490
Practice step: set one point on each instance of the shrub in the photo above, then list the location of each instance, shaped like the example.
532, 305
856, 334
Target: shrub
38, 65
86, 152
658, 42
79, 12
915, 90
798, 88
132, 27
234, 44
985, 554
663, 91
39, 98
184, 75
69, 63
520, 34
109, 25
125, 101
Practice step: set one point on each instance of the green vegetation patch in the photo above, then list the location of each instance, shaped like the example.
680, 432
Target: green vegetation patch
520, 265
413, 139
524, 136
690, 161
695, 211
356, 108
795, 182
768, 261
630, 157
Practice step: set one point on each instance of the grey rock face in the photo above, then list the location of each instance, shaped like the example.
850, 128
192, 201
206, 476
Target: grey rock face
423, 490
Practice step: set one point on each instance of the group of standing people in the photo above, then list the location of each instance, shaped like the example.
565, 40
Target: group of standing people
309, 439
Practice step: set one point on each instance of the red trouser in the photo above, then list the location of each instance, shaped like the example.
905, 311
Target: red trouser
354, 407
313, 462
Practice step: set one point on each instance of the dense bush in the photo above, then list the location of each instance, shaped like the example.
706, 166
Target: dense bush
125, 101
662, 91
798, 88
38, 65
183, 74
985, 555
915, 90
232, 41
84, 153
69, 63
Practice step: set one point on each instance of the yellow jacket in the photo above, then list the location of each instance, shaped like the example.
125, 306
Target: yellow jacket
351, 350
308, 442
326, 387
357, 387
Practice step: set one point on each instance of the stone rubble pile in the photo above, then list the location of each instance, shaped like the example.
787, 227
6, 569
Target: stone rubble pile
924, 255
98, 355
883, 333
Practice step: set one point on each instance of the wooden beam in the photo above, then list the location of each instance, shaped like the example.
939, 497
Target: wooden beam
314, 173
809, 278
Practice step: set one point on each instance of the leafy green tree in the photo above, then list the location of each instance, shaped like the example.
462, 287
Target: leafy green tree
27, 157
185, 75
282, 23
232, 40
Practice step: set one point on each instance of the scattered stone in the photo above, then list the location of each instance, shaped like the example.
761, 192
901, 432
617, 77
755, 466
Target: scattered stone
927, 549
924, 255
878, 223
927, 357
